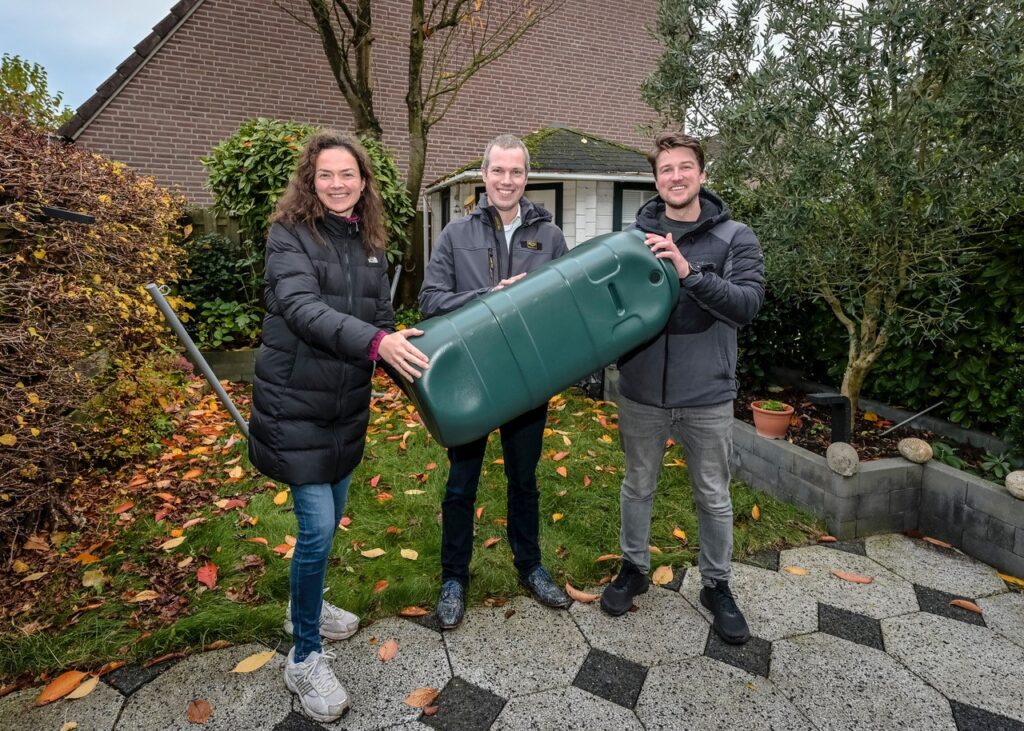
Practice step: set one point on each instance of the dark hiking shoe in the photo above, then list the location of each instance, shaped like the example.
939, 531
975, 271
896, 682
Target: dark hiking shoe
729, 623
618, 596
544, 589
451, 605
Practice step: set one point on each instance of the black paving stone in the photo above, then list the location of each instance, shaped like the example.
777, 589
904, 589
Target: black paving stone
427, 620
969, 718
850, 626
763, 560
853, 546
130, 678
677, 580
754, 656
611, 677
462, 706
297, 722
938, 602
283, 646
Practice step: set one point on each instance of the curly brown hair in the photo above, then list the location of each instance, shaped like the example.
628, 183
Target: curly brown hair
671, 140
300, 204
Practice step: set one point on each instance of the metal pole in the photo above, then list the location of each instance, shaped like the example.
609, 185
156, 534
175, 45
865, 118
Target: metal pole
157, 293
907, 421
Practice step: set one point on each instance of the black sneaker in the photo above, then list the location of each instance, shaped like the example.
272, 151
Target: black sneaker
617, 597
729, 623
451, 604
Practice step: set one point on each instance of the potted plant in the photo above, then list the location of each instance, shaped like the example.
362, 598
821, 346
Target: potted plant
771, 418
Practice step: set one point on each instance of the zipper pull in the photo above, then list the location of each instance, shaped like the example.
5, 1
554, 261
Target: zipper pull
490, 265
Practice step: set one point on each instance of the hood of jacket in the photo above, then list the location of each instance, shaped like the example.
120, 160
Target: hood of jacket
713, 211
530, 212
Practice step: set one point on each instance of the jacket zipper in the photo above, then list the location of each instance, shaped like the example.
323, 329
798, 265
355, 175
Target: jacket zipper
490, 266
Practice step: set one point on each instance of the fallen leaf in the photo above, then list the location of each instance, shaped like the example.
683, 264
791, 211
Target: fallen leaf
662, 575
498, 461
555, 517
373, 553
60, 686
345, 521
380, 586
192, 474
166, 497
414, 492
654, 549
850, 576
21, 567
393, 530
236, 472
96, 577
123, 508
965, 604
827, 539
282, 548
387, 651
87, 687
581, 596
199, 711
384, 497
560, 456
796, 570
605, 438
173, 543
755, 513
421, 697
185, 561
207, 574
258, 539
281, 498
254, 661
177, 533
431, 710
562, 471
110, 667
409, 554
586, 481
679, 534
480, 512
870, 416
936, 542
72, 725
194, 521
217, 645
491, 541
413, 612
34, 577
1012, 580
607, 557
147, 595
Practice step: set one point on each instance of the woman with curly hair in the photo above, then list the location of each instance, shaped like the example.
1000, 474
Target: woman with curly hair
329, 317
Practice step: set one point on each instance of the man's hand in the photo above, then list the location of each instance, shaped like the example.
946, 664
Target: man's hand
396, 349
506, 282
664, 248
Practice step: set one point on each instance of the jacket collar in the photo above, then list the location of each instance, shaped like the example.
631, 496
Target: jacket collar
649, 213
531, 213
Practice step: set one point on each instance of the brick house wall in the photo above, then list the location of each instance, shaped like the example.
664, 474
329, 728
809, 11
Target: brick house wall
231, 60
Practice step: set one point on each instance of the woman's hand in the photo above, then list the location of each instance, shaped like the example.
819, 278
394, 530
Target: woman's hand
397, 351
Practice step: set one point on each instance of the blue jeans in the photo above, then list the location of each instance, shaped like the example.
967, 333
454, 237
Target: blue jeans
318, 508
521, 443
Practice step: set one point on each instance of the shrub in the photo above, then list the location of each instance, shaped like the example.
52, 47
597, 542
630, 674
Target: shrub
74, 317
224, 283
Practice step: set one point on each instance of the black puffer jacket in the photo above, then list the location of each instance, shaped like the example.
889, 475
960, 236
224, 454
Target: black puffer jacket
325, 304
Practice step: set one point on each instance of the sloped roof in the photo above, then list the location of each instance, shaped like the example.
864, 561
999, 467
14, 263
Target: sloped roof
565, 150
128, 68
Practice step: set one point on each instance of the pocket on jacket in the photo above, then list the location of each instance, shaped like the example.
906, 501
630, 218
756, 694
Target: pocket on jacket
689, 317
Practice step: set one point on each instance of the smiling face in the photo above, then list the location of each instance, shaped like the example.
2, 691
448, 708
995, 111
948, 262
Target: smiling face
678, 177
505, 178
339, 184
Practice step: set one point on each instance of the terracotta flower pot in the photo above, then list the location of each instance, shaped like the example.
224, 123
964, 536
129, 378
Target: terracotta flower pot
771, 424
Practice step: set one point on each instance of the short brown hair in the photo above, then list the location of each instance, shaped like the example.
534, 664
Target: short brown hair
671, 140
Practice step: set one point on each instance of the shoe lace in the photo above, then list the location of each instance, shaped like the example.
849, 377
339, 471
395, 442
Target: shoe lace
320, 675
726, 601
329, 611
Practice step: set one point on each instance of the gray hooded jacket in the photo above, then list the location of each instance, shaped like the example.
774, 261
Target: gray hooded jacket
693, 361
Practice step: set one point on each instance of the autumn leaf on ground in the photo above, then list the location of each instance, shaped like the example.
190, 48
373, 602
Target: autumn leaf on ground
258, 539
387, 651
555, 517
73, 725
662, 575
217, 645
21, 567
413, 612
173, 543
199, 711
560, 456
87, 687
380, 586
254, 661
607, 557
479, 512
965, 604
192, 474
580, 596
679, 534
421, 697
60, 686
796, 570
491, 541
1012, 580
122, 508
414, 492
605, 438
93, 578
147, 595
850, 576
345, 521
755, 513
586, 481
937, 542
562, 471
498, 461
409, 554
373, 553
827, 539
281, 498
207, 574
870, 416
236, 472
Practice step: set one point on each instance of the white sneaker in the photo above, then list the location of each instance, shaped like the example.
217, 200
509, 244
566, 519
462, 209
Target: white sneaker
322, 697
335, 622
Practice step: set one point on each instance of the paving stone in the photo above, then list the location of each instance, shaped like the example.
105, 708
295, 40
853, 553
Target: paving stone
663, 629
462, 706
410, 726
938, 602
937, 568
773, 607
854, 546
130, 678
969, 718
768, 560
533, 649
677, 580
850, 626
568, 709
295, 721
611, 677
96, 712
754, 655
378, 688
967, 664
1004, 613
701, 693
887, 596
239, 700
841, 685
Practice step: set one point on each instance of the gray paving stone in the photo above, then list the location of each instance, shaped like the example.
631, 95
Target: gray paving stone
967, 664
378, 688
663, 629
239, 700
295, 721
569, 708
1004, 613
96, 712
842, 685
773, 607
410, 726
888, 595
701, 693
937, 568
533, 649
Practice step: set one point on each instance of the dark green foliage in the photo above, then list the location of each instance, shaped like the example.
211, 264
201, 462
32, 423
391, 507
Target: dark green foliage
25, 93
224, 284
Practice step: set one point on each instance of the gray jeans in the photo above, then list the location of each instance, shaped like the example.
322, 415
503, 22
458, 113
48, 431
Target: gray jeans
705, 433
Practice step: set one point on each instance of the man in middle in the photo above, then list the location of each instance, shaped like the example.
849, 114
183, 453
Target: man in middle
499, 243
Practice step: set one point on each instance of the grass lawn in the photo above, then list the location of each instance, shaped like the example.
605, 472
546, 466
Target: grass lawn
131, 586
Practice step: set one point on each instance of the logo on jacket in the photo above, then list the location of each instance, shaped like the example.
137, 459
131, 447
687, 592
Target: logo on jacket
532, 245
371, 260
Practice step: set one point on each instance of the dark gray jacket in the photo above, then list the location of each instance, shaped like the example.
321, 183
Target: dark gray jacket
693, 361
470, 255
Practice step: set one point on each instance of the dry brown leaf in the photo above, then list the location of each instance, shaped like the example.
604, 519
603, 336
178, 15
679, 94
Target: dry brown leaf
380, 586
430, 710
965, 604
199, 711
217, 645
421, 697
84, 558
555, 517
562, 471
413, 612
173, 543
71, 726
254, 662
662, 575
850, 576
479, 512
281, 498
827, 539
755, 513
192, 474
88, 686
796, 570
60, 686
560, 456
409, 554
581, 596
373, 553
258, 539
236, 472
491, 541
388, 650
122, 508
607, 557
1012, 580
936, 542
146, 595
654, 549
679, 534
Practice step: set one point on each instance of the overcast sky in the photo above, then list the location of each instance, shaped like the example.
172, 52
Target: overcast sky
78, 42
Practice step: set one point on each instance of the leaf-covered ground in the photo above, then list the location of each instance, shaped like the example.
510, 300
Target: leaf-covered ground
192, 547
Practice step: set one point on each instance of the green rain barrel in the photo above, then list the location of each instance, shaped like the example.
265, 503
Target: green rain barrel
511, 350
